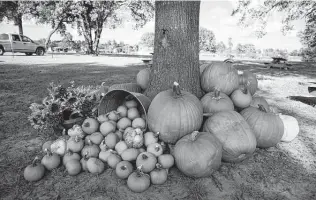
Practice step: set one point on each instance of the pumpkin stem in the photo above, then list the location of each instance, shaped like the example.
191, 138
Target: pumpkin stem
194, 134
85, 156
261, 108
207, 114
176, 89
139, 171
158, 166
157, 148
34, 161
48, 152
217, 94
89, 142
123, 167
144, 156
77, 138
244, 90
156, 134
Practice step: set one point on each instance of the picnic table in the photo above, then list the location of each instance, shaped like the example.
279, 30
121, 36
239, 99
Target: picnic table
278, 62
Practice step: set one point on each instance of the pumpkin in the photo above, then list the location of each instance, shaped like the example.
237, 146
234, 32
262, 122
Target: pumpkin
130, 103
150, 138
202, 67
123, 123
267, 127
92, 150
249, 80
123, 169
73, 167
291, 128
142, 78
139, 123
120, 147
59, 146
90, 125
221, 76
132, 113
113, 159
70, 156
96, 138
50, 160
95, 166
241, 98
159, 175
75, 144
166, 160
103, 146
155, 148
107, 127
174, 113
130, 154
216, 101
76, 130
130, 87
194, 161
138, 181
147, 160
111, 140
102, 118
119, 133
122, 111
113, 115
133, 137
104, 155
47, 145
34, 171
83, 163
260, 100
236, 136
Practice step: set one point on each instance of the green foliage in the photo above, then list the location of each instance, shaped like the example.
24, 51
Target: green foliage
147, 40
207, 40
221, 47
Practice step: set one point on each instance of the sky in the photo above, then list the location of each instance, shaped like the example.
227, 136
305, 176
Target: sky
214, 15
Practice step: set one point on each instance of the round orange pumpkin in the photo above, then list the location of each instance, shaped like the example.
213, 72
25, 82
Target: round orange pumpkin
216, 101
249, 80
143, 78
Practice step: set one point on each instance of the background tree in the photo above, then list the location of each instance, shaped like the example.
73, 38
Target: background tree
230, 45
147, 40
176, 50
13, 11
221, 47
207, 40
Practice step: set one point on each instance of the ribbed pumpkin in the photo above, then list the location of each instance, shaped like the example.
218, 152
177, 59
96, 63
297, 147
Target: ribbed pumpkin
291, 128
221, 76
267, 127
131, 87
249, 80
216, 101
142, 78
241, 97
198, 154
237, 138
260, 100
174, 113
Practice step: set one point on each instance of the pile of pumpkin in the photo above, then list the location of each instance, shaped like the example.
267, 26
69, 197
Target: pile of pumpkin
227, 124
117, 140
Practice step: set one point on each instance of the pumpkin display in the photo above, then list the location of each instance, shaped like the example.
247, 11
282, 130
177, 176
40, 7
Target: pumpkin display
34, 171
241, 98
260, 100
216, 101
249, 80
194, 161
50, 160
143, 77
138, 181
267, 127
130, 87
174, 113
236, 136
291, 128
75, 144
159, 175
221, 76
133, 137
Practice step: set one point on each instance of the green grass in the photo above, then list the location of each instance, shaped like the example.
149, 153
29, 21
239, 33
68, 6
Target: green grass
287, 171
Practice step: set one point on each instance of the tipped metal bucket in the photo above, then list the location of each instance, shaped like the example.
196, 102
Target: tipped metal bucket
115, 98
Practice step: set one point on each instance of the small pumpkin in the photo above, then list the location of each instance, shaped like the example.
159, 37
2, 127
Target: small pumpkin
194, 161
166, 161
70, 156
75, 144
107, 127
123, 169
267, 127
133, 137
138, 181
139, 123
111, 140
142, 78
113, 159
249, 80
34, 171
122, 111
133, 113
76, 130
120, 147
260, 100
155, 149
236, 136
159, 175
102, 118
147, 160
174, 113
73, 167
90, 125
216, 101
95, 166
113, 115
130, 154
47, 145
221, 76
123, 123
104, 155
150, 138
96, 138
291, 128
50, 160
92, 150
131, 103
241, 98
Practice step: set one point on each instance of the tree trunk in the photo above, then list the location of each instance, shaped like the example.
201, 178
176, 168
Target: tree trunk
97, 35
176, 47
51, 33
18, 22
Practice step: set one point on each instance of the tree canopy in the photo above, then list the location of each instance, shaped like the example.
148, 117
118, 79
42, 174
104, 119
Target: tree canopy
207, 40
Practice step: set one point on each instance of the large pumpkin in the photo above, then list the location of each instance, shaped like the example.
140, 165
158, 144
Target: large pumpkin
236, 136
174, 113
221, 76
249, 80
131, 87
198, 154
256, 101
142, 78
216, 101
267, 127
291, 128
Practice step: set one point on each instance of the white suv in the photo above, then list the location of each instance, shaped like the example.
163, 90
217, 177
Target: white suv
19, 43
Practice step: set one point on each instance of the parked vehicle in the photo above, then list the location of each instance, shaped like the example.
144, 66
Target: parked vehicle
19, 43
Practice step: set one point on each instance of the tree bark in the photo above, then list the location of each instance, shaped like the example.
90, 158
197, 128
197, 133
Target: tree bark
18, 22
176, 47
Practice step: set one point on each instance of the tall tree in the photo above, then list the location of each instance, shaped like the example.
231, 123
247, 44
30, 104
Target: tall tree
147, 39
220, 47
12, 11
176, 50
206, 40
230, 45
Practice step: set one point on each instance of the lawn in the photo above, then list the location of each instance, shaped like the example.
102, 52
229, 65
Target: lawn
287, 171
